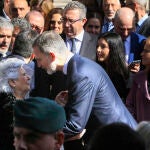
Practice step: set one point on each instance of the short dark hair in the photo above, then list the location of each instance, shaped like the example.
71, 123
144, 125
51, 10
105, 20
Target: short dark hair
23, 43
118, 136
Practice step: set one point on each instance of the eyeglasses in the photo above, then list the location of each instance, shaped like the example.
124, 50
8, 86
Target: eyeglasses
70, 21
37, 28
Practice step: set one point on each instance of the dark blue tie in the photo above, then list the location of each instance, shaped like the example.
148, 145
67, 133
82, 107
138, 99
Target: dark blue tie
73, 48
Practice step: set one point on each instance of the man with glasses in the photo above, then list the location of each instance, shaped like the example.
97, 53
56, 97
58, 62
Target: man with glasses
124, 25
74, 18
36, 19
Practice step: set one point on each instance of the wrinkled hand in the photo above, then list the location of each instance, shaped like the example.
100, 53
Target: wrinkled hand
62, 98
134, 67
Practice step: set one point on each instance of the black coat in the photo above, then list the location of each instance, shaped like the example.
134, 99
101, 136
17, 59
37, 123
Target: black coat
6, 121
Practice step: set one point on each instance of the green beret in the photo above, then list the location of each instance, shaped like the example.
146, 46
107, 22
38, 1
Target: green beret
41, 114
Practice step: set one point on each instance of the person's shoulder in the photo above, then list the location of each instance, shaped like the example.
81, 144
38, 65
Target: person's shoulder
134, 34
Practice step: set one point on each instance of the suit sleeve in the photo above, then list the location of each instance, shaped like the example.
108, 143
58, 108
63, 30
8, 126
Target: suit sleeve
79, 106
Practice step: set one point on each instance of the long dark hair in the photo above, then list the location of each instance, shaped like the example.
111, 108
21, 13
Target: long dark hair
116, 62
49, 17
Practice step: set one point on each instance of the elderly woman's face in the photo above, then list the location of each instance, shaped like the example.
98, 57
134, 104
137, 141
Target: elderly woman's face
22, 83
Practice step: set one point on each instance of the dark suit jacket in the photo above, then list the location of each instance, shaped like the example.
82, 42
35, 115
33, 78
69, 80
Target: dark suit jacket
47, 85
41, 83
2, 13
88, 46
145, 28
93, 100
137, 46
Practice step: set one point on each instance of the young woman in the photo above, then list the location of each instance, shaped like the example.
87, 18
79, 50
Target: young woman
110, 55
94, 23
53, 20
138, 100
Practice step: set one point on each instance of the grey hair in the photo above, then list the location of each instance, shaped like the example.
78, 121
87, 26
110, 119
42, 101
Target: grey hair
22, 23
9, 70
118, 1
76, 5
36, 14
50, 41
143, 129
23, 43
142, 3
4, 23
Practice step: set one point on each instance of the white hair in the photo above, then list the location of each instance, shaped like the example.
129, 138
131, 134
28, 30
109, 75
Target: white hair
9, 70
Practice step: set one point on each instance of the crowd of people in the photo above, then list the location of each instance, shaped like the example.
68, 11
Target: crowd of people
74, 78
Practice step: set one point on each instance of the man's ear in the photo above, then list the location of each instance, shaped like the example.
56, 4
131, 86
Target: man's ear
32, 57
59, 140
84, 20
52, 56
135, 6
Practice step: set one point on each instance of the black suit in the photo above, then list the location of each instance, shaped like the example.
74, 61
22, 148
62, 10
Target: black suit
47, 85
2, 13
41, 83
145, 28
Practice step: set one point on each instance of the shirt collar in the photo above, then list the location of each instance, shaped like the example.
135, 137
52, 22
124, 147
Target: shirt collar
79, 37
5, 15
66, 63
140, 22
128, 38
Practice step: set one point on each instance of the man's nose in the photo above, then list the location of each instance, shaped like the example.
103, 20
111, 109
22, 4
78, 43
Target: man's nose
22, 145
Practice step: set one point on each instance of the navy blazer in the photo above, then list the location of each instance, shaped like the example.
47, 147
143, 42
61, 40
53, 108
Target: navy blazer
137, 46
145, 28
93, 100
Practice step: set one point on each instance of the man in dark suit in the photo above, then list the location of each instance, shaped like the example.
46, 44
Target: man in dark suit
92, 99
124, 25
142, 18
4, 9
74, 18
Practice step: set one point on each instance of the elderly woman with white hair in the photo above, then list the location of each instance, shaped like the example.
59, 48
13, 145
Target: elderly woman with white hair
14, 85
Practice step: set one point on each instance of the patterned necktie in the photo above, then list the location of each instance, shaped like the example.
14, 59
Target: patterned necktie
73, 48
